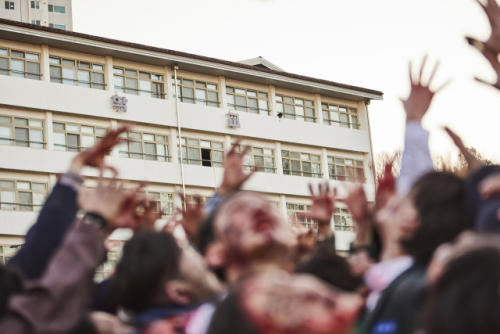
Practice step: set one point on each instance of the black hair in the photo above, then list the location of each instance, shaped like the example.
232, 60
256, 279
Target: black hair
230, 318
331, 268
10, 282
466, 298
149, 259
439, 198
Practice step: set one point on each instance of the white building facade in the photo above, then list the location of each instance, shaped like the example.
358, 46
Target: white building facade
49, 13
56, 98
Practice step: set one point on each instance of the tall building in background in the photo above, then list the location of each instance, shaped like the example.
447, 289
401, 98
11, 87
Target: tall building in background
50, 13
61, 91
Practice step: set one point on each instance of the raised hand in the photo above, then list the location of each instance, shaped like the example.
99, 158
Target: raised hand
323, 205
192, 217
492, 10
417, 104
107, 200
234, 174
94, 156
473, 162
491, 56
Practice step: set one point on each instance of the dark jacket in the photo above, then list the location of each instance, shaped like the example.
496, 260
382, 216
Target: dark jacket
47, 234
399, 307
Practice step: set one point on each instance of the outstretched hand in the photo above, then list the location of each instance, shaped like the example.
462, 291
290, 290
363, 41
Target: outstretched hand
492, 10
417, 104
491, 56
94, 156
323, 205
357, 203
473, 162
234, 174
192, 217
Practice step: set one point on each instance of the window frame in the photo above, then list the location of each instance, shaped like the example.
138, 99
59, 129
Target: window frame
78, 148
13, 141
281, 104
194, 87
301, 172
25, 73
17, 205
334, 161
350, 112
168, 200
35, 4
234, 94
340, 213
144, 155
4, 255
251, 154
124, 89
77, 68
52, 9
10, 5
186, 146
36, 22
305, 222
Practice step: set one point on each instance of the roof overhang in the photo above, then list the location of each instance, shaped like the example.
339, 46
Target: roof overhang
77, 42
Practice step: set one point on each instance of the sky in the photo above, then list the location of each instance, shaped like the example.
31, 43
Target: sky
364, 43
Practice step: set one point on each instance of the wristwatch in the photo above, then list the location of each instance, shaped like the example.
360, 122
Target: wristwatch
95, 219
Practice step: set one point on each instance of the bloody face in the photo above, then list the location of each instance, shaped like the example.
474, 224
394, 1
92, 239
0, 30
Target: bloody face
280, 303
250, 226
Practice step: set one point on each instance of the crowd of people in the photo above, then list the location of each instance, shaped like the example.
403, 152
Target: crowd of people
425, 259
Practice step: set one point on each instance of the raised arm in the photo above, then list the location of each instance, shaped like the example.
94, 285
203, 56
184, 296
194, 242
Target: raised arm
416, 160
59, 211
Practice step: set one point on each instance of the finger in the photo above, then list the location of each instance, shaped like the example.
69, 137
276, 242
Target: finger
198, 200
433, 73
110, 168
327, 189
245, 150
249, 175
481, 4
311, 190
475, 43
442, 86
456, 139
234, 146
484, 82
422, 69
411, 76
320, 189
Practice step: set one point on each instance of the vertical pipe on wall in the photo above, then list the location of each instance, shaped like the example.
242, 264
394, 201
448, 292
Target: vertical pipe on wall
179, 134
367, 102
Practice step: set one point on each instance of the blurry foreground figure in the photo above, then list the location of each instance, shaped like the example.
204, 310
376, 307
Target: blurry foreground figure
278, 302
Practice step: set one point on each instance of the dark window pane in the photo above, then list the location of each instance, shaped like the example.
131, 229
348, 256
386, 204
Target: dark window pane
25, 198
21, 137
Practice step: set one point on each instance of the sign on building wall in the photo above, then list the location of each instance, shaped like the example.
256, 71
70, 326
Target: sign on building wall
119, 103
233, 120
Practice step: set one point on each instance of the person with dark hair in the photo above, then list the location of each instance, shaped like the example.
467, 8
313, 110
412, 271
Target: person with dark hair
465, 298
331, 268
157, 279
427, 212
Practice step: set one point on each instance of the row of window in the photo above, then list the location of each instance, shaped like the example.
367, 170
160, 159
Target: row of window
19, 195
36, 5
341, 217
71, 137
91, 75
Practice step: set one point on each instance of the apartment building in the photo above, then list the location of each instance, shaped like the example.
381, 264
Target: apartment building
49, 13
60, 91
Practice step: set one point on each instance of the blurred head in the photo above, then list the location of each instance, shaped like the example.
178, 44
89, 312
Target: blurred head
277, 302
465, 299
249, 227
332, 269
155, 271
433, 213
